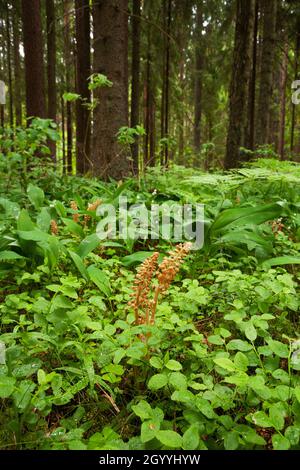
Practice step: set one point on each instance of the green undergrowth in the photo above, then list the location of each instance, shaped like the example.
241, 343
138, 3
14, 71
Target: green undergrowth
220, 368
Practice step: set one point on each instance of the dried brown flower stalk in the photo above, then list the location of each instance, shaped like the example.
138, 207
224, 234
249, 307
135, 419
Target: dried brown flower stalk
141, 289
54, 227
92, 207
145, 294
74, 206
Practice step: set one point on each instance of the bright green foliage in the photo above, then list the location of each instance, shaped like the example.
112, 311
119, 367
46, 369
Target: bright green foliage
220, 368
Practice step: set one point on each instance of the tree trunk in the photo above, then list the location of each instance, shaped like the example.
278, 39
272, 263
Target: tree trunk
17, 66
83, 72
63, 135
135, 91
296, 64
51, 67
34, 64
269, 10
283, 80
68, 64
9, 64
252, 85
147, 108
239, 82
167, 81
198, 80
110, 59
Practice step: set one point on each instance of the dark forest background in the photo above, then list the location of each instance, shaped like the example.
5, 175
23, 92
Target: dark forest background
196, 83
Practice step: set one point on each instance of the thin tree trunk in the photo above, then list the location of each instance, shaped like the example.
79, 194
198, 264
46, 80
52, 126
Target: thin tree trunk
269, 9
147, 109
252, 87
51, 68
163, 90
135, 72
198, 81
111, 59
83, 72
63, 134
293, 117
239, 82
68, 64
167, 97
10, 86
283, 81
17, 66
34, 64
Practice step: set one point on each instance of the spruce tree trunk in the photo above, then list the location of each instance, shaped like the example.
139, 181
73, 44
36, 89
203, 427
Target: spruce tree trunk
167, 81
17, 66
283, 80
252, 85
9, 63
198, 80
68, 65
34, 63
83, 72
135, 73
296, 65
269, 11
51, 68
110, 58
239, 86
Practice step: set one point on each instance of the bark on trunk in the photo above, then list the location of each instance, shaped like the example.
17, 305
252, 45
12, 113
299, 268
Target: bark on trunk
83, 71
135, 72
269, 10
198, 81
17, 66
239, 82
34, 64
51, 67
110, 59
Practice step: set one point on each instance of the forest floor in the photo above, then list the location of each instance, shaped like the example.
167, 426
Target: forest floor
219, 366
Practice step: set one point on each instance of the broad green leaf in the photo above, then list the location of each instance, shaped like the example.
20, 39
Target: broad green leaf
297, 393
173, 365
184, 396
260, 418
241, 361
79, 264
170, 439
24, 221
292, 433
277, 416
156, 362
36, 195
238, 344
191, 439
205, 407
149, 430
7, 385
280, 442
178, 380
158, 381
143, 410
100, 279
231, 440
9, 256
87, 245
250, 332
280, 261
278, 348
225, 363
